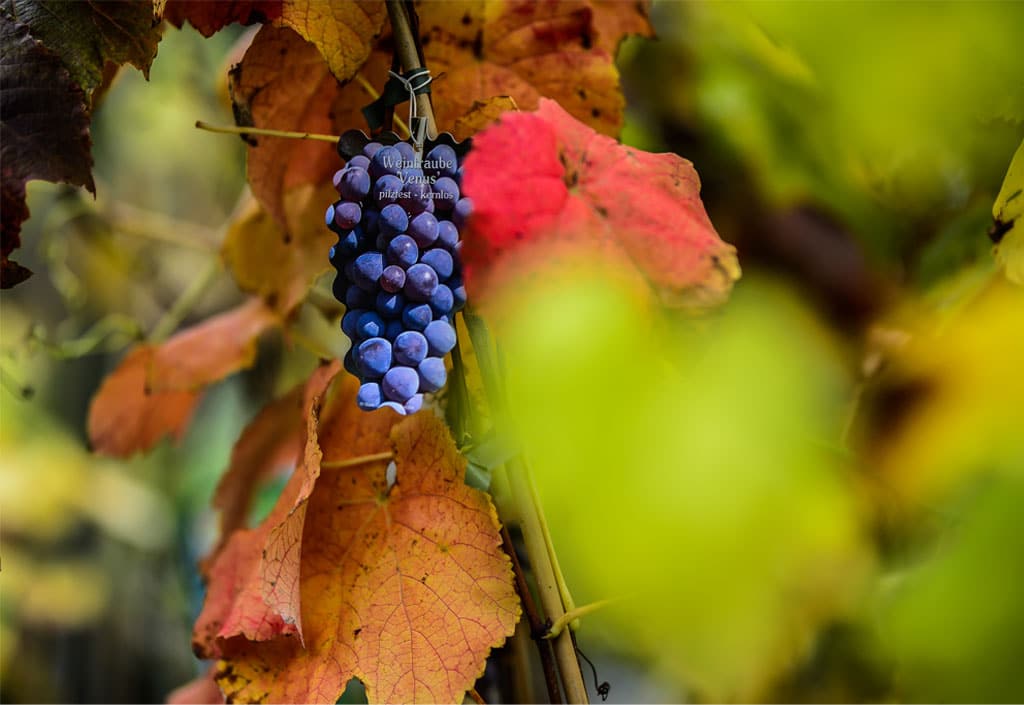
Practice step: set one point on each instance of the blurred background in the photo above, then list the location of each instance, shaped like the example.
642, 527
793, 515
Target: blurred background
829, 510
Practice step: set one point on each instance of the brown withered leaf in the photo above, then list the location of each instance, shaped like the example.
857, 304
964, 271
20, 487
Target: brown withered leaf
44, 131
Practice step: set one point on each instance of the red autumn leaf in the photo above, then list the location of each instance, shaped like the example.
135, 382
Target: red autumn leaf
153, 391
546, 186
271, 441
235, 603
127, 417
210, 17
405, 587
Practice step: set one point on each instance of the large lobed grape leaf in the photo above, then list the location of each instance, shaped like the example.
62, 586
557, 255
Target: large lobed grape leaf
418, 566
155, 389
44, 130
546, 187
529, 50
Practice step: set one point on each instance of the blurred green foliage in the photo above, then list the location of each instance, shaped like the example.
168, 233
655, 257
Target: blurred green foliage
691, 475
888, 115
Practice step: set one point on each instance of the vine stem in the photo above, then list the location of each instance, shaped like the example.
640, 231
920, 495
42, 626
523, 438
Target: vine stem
525, 507
537, 625
528, 514
408, 54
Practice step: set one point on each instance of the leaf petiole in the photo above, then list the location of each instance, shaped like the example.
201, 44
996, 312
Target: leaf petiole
572, 617
361, 460
235, 130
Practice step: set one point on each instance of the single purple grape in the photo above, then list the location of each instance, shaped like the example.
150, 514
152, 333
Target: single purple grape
447, 234
420, 282
440, 337
349, 321
432, 374
372, 148
369, 397
403, 251
463, 209
441, 161
410, 348
407, 151
417, 316
400, 384
446, 194
389, 305
393, 220
442, 302
392, 279
370, 325
347, 215
415, 197
386, 160
355, 184
367, 270
373, 357
414, 404
423, 229
440, 260
387, 189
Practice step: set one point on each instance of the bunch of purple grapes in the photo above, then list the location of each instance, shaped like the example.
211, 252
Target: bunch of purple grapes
399, 270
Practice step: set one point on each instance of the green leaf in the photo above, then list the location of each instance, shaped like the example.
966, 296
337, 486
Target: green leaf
87, 35
687, 476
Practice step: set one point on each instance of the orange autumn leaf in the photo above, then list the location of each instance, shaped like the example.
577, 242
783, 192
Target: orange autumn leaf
482, 114
343, 32
126, 417
356, 434
154, 390
575, 192
235, 602
283, 83
406, 588
211, 350
615, 20
278, 264
528, 50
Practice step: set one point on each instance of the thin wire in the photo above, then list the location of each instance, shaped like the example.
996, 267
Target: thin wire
602, 688
408, 82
